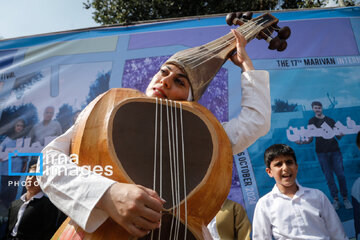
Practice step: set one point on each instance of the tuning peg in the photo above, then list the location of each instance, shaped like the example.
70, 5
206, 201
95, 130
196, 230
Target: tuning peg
230, 18
284, 32
274, 43
239, 15
275, 27
247, 15
283, 45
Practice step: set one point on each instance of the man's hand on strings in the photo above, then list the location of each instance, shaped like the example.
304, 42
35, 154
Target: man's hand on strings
134, 207
241, 58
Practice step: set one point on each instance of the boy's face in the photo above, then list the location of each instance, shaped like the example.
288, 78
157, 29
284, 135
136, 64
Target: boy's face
284, 170
169, 83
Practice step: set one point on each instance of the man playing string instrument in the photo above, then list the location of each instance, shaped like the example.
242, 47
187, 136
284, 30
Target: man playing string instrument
90, 200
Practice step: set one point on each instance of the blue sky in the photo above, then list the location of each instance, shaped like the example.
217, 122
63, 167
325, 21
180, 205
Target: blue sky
28, 17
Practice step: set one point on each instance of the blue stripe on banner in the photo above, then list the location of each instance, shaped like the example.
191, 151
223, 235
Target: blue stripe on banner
247, 181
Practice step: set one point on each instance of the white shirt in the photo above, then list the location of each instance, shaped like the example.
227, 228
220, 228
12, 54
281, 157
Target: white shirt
22, 210
213, 229
78, 195
308, 215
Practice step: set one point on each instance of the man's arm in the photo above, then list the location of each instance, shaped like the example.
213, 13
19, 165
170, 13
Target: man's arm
74, 194
89, 199
255, 116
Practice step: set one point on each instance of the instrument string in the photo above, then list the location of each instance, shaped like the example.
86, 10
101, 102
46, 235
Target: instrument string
155, 145
178, 170
170, 165
174, 166
175, 130
155, 151
196, 52
228, 40
184, 171
202, 54
160, 159
248, 34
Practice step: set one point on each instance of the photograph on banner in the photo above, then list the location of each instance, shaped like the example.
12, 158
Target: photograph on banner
317, 113
36, 110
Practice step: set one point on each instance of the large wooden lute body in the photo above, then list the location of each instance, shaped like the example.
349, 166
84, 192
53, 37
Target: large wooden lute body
180, 143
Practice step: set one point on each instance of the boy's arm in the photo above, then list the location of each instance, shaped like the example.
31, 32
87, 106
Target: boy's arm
261, 223
332, 221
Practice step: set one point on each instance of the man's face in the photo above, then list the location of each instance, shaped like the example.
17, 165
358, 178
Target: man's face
169, 83
48, 114
317, 110
284, 170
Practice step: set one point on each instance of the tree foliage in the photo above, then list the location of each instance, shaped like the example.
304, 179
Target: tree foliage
293, 4
124, 11
99, 86
65, 116
284, 106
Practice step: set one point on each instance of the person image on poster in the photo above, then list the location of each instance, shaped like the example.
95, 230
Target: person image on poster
17, 135
45, 128
291, 211
136, 208
329, 156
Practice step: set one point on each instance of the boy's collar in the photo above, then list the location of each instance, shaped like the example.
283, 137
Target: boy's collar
301, 190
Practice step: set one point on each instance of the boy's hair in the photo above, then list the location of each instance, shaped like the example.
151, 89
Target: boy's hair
277, 150
316, 103
358, 140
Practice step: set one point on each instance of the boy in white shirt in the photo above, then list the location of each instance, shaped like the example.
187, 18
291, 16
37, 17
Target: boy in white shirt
291, 211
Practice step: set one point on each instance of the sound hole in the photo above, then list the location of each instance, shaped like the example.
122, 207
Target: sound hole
170, 229
134, 143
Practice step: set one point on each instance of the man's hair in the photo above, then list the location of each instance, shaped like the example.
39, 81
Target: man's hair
32, 167
358, 140
277, 150
316, 103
